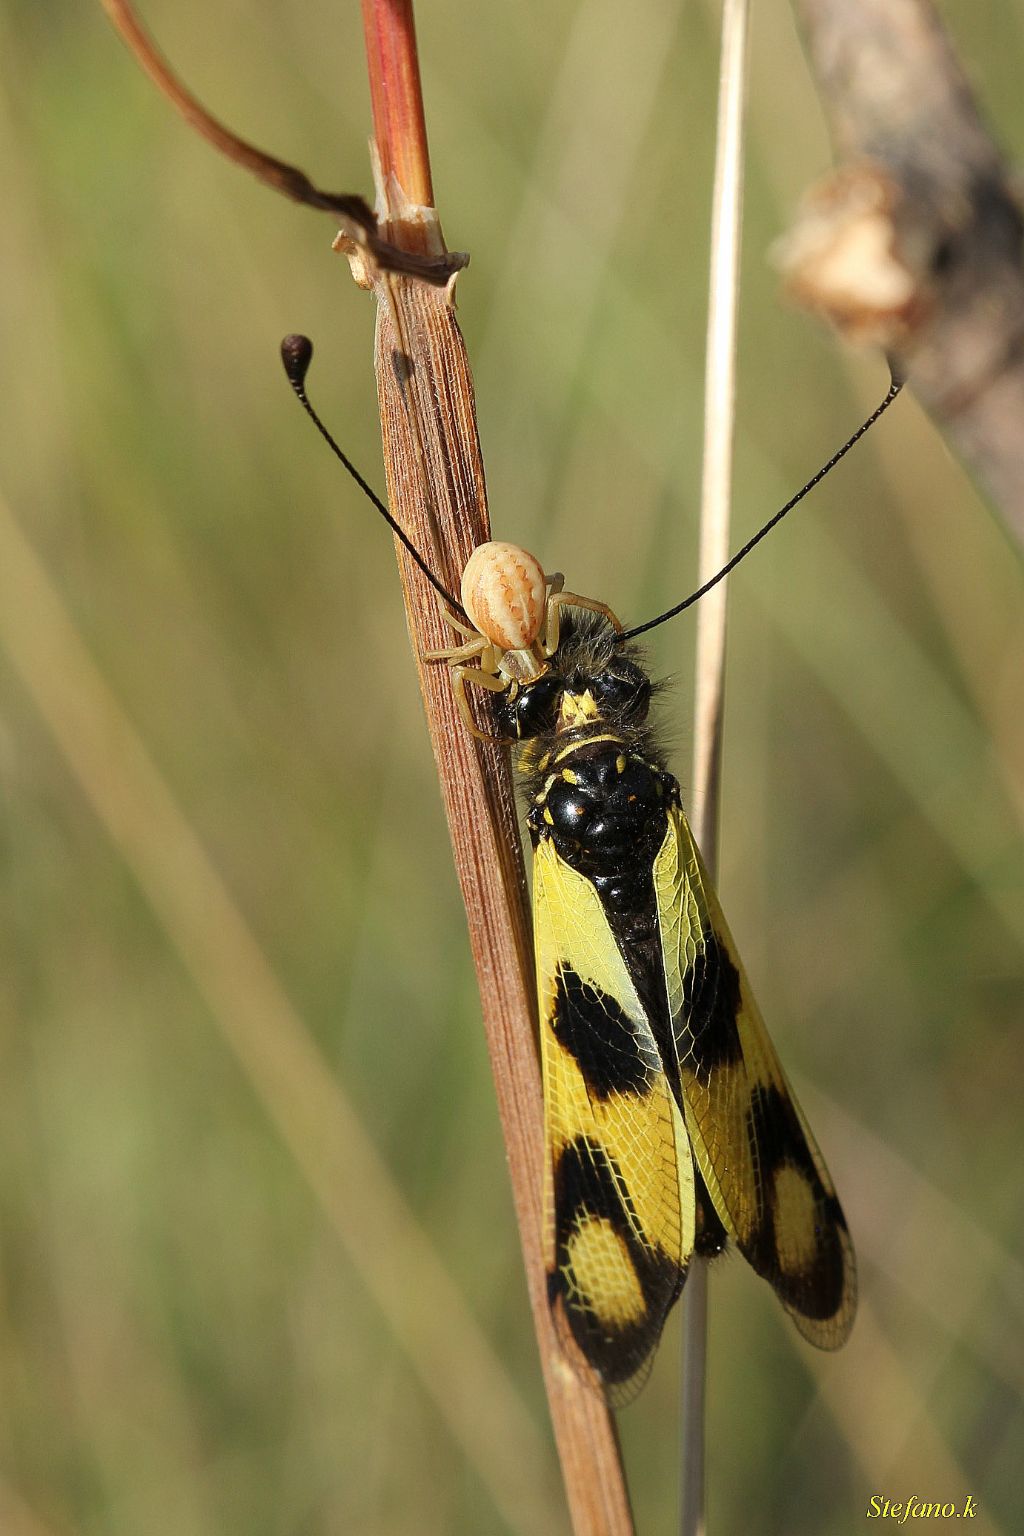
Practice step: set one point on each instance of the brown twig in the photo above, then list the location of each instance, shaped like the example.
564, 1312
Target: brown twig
916, 244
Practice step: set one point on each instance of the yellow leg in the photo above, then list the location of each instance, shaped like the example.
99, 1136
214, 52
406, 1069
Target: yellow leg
485, 675
467, 652
466, 630
575, 601
556, 600
460, 677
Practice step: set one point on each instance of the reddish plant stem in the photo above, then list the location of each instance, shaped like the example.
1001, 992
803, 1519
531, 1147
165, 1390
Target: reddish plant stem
399, 124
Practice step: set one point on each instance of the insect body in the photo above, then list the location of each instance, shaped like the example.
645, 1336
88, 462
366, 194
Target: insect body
669, 1125
670, 1128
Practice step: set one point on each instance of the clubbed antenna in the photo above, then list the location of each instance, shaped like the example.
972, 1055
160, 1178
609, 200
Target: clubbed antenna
296, 355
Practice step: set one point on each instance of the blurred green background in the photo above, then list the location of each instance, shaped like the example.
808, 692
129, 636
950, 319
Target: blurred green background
205, 1325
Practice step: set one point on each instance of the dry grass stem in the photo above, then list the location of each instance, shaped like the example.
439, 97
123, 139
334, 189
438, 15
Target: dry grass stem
427, 419
709, 685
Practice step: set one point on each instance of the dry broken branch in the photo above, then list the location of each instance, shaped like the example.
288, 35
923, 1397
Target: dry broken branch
916, 242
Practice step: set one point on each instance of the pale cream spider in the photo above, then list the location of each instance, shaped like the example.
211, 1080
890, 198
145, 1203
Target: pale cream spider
513, 609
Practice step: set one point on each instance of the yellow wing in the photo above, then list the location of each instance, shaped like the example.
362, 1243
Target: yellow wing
764, 1173
619, 1194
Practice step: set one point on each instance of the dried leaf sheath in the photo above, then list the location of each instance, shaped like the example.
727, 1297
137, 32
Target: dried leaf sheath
436, 489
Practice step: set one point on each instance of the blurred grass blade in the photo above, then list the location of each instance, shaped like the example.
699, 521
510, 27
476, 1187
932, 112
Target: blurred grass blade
709, 681
881, 1410
455, 1365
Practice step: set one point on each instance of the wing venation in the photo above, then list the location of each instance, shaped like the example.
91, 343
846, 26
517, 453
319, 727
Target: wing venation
751, 1143
619, 1189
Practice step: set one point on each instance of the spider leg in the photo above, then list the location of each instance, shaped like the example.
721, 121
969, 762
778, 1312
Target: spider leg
473, 648
466, 630
461, 675
556, 600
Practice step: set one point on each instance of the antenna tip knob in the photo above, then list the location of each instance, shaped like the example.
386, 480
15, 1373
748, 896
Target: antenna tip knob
296, 354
